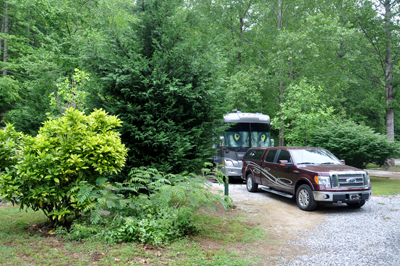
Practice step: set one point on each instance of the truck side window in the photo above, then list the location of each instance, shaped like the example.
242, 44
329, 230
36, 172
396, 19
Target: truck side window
254, 154
250, 154
270, 156
258, 154
284, 155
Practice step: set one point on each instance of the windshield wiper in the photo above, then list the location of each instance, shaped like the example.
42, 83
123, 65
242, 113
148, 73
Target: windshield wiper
328, 163
305, 163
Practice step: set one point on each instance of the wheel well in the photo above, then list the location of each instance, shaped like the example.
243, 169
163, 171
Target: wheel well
301, 182
248, 173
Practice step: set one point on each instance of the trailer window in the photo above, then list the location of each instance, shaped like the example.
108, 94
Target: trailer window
260, 135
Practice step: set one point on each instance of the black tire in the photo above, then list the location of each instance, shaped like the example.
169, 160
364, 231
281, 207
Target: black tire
305, 199
356, 205
250, 184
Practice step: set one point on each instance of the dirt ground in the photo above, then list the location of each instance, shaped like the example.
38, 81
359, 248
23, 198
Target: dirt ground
278, 216
381, 173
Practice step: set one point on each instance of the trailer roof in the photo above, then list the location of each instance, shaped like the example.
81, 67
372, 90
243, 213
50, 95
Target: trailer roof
239, 117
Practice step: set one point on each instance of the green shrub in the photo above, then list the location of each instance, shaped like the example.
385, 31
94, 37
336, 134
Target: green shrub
67, 151
10, 144
160, 215
357, 144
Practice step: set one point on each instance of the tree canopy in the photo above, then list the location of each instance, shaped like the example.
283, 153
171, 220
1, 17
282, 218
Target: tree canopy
170, 69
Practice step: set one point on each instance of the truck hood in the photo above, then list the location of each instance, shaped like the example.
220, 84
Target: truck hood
326, 168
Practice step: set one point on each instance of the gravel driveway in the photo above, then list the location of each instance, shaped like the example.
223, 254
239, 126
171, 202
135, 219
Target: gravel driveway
337, 235
367, 236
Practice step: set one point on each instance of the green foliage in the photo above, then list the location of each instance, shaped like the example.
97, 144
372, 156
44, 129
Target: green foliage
29, 112
301, 112
67, 151
69, 94
163, 78
163, 214
9, 93
357, 144
10, 145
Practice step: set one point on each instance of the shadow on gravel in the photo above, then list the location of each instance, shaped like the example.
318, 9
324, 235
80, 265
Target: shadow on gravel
321, 208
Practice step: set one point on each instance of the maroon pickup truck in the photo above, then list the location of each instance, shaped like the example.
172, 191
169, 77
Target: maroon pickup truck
312, 175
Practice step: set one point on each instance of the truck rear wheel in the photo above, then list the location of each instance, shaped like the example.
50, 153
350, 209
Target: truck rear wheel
250, 184
305, 199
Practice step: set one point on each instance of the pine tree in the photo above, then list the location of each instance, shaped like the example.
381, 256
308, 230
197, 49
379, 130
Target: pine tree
162, 77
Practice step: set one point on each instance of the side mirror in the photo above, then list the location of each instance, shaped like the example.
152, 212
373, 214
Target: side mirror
285, 163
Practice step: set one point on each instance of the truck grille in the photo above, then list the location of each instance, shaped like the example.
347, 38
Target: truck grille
348, 180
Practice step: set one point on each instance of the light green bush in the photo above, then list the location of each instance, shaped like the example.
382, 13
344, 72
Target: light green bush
10, 144
67, 151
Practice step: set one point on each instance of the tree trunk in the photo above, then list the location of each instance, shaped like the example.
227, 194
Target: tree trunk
281, 140
389, 74
5, 54
2, 31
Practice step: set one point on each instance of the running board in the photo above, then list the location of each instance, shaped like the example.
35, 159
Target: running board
268, 189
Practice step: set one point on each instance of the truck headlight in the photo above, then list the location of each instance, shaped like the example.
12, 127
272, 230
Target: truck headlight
367, 181
323, 180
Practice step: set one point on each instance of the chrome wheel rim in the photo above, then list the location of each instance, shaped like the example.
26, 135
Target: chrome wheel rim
304, 198
249, 183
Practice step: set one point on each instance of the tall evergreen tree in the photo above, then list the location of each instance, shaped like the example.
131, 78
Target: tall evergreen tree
162, 76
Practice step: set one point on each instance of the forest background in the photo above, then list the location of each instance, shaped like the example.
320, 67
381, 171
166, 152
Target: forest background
171, 69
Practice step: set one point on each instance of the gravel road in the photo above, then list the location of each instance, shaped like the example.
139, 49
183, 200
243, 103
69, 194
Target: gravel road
336, 235
367, 236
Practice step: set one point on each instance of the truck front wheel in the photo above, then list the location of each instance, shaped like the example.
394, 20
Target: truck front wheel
250, 184
305, 199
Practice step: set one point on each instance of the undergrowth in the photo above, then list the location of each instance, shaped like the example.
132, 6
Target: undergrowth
150, 207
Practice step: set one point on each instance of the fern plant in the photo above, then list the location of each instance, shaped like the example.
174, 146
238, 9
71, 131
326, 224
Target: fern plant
159, 216
103, 196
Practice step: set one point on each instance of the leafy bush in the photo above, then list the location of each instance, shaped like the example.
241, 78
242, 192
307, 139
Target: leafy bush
67, 151
161, 215
357, 144
10, 144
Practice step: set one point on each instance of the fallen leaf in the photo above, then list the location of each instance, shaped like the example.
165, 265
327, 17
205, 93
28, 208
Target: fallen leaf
117, 259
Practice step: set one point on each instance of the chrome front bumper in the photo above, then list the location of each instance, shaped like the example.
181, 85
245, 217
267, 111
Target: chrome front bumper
346, 196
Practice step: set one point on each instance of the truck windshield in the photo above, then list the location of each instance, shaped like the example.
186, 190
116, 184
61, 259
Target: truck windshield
247, 135
313, 156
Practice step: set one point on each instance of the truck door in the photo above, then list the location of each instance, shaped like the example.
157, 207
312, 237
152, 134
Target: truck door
284, 173
276, 176
267, 165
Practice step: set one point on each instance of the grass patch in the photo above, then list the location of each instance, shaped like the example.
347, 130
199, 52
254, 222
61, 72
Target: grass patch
228, 230
20, 245
385, 186
373, 166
